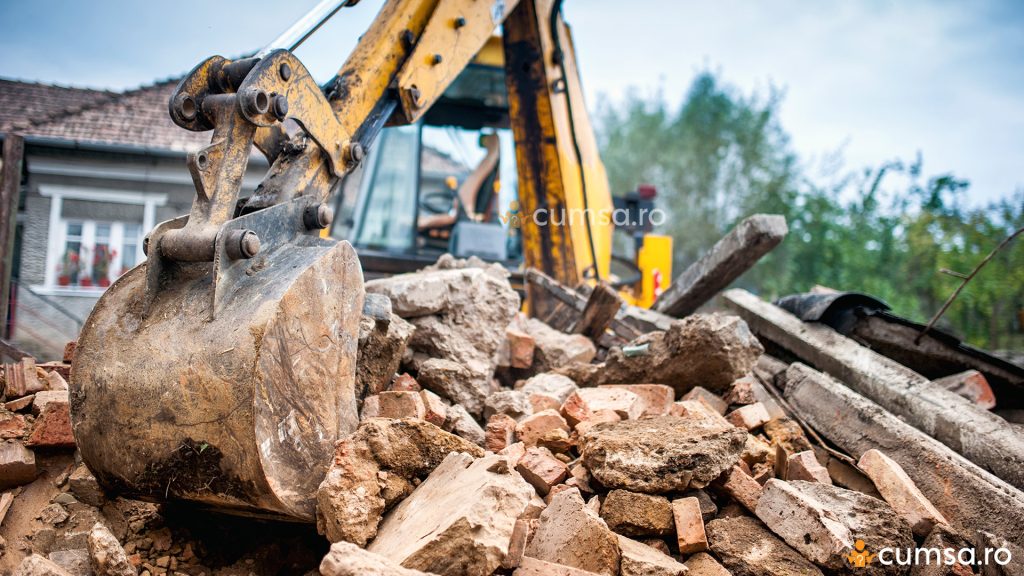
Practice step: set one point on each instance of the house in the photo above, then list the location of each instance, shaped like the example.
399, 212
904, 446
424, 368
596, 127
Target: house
100, 170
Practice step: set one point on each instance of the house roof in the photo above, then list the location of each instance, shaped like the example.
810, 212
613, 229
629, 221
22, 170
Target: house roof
135, 117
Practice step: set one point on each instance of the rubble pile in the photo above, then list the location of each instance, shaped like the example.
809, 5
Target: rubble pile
492, 443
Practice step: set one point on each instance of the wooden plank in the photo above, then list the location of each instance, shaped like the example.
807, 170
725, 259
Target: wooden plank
10, 190
982, 437
969, 497
575, 302
729, 258
599, 312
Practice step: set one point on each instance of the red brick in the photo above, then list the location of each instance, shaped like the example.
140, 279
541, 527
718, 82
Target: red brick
371, 407
53, 427
575, 409
741, 487
805, 466
689, 525
401, 405
500, 432
656, 398
520, 348
626, 404
532, 428
542, 402
541, 469
12, 426
741, 392
435, 410
750, 416
704, 395
405, 383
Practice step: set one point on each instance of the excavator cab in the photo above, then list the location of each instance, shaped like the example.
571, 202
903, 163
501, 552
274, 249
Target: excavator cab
445, 184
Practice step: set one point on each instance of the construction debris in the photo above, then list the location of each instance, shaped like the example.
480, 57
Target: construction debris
607, 442
729, 258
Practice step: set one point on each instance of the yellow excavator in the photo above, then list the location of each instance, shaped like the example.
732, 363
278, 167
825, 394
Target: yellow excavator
221, 370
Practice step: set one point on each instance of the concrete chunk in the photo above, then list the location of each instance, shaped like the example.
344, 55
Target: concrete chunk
824, 523
661, 454
656, 399
636, 514
17, 464
571, 534
346, 559
625, 403
703, 564
747, 548
106, 556
458, 521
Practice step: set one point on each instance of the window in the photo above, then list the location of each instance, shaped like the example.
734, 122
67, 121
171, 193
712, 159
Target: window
95, 253
94, 236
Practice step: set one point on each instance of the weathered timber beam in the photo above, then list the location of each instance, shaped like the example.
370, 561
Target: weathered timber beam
969, 497
729, 258
982, 437
599, 312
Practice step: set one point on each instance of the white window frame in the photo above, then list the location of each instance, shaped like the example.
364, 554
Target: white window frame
57, 235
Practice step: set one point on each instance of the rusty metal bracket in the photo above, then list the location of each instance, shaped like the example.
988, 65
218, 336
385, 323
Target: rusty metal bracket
281, 87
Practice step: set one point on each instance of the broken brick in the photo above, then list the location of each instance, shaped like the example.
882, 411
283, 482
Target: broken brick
435, 410
900, 492
656, 399
532, 428
401, 405
499, 432
541, 469
704, 395
17, 464
52, 428
805, 466
626, 404
750, 416
689, 523
741, 487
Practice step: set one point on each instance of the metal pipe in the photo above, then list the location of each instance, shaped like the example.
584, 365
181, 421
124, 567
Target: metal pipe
305, 26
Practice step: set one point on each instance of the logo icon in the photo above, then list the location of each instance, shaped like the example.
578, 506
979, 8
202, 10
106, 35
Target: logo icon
859, 557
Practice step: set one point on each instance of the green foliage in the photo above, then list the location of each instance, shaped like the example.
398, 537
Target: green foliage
888, 231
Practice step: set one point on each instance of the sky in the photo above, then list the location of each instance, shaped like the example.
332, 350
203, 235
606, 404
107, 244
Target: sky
878, 80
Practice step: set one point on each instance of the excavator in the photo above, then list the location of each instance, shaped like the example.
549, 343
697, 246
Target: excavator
220, 371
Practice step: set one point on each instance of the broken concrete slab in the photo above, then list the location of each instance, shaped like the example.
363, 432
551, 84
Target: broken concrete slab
347, 559
662, 454
373, 467
636, 514
726, 261
639, 559
823, 523
900, 492
971, 499
709, 350
571, 534
747, 548
454, 382
106, 556
459, 520
17, 464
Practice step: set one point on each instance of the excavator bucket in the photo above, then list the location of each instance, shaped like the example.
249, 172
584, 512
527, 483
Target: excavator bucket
235, 401
222, 370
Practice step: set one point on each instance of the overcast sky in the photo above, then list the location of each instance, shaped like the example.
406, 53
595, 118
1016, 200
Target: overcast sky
881, 79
